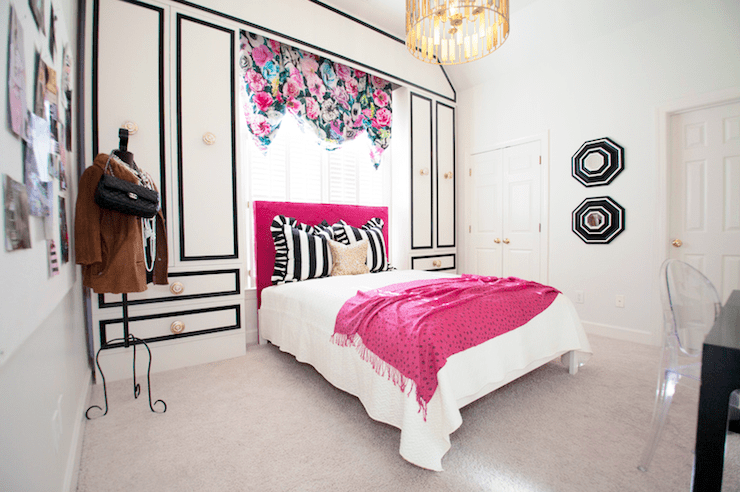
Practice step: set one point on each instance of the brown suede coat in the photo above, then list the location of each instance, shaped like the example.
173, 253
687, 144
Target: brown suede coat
108, 244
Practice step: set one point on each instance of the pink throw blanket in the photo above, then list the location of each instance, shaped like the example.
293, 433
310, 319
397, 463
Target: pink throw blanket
408, 330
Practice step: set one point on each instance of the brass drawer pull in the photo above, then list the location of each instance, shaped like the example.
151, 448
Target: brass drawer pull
437, 263
177, 327
177, 288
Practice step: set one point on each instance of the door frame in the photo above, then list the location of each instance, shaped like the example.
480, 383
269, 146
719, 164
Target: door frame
544, 139
664, 114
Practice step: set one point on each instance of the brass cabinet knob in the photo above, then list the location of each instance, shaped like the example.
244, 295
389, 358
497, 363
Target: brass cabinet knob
209, 138
677, 243
437, 263
448, 175
424, 171
177, 288
497, 240
177, 327
506, 241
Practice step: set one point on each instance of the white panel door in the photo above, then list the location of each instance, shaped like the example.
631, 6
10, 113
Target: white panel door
521, 235
486, 226
705, 193
445, 176
421, 172
206, 140
505, 212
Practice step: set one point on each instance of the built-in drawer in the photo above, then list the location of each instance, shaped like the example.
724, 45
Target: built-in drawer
433, 262
155, 327
182, 286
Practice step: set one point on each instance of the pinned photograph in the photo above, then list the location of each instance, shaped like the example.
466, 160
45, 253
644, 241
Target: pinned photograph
63, 231
17, 230
53, 258
17, 112
38, 9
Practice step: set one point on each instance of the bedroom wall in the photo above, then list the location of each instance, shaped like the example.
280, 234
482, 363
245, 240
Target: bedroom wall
44, 376
588, 70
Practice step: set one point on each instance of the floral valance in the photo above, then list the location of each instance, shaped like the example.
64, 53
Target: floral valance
335, 102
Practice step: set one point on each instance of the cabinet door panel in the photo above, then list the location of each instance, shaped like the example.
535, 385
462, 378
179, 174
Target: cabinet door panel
128, 72
206, 169
421, 172
445, 176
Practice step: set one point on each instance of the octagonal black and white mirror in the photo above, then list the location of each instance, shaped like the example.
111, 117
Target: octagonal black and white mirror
598, 162
598, 220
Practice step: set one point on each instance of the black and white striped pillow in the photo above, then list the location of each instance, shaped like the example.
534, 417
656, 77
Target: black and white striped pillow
377, 259
301, 251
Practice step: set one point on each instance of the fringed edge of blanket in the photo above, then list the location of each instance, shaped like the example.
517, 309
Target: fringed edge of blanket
381, 367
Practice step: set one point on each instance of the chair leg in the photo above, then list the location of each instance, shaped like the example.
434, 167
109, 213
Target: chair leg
666, 388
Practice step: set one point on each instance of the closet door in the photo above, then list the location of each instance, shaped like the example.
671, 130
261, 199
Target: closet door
521, 235
445, 176
486, 227
206, 141
129, 83
421, 172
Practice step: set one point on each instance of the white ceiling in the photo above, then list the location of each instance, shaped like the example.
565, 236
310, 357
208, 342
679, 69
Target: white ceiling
390, 16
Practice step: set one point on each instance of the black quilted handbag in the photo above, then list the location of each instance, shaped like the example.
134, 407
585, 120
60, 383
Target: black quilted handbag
127, 198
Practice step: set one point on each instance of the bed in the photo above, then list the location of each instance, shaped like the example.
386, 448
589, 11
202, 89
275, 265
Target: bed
299, 318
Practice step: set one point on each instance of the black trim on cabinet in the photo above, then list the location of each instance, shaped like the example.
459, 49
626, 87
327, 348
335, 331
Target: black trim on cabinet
431, 173
181, 200
454, 261
104, 324
454, 176
313, 47
95, 113
237, 290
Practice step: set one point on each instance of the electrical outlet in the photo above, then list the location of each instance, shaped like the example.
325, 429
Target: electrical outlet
579, 296
620, 301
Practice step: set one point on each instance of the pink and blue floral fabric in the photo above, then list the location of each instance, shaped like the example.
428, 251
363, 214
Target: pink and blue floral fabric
333, 101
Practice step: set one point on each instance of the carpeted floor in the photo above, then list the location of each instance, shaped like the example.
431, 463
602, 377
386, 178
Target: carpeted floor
265, 422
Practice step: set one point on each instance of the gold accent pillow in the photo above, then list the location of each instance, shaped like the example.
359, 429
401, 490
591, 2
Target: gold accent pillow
349, 259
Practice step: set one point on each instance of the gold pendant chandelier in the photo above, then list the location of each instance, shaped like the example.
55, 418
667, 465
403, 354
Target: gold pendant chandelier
450, 32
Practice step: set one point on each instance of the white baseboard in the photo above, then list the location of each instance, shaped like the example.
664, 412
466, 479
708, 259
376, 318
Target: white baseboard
619, 333
78, 433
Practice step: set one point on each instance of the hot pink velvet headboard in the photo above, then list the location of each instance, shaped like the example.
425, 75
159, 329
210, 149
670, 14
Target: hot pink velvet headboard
308, 213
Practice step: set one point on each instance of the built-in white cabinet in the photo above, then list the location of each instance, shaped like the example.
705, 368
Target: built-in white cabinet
432, 149
169, 76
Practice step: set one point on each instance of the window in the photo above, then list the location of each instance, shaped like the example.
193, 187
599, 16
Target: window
297, 169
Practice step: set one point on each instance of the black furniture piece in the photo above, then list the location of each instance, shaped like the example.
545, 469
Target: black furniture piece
720, 376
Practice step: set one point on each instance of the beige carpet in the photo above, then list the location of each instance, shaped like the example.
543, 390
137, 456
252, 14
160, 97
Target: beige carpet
265, 422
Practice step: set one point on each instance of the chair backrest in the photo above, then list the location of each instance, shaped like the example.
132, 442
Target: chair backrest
690, 305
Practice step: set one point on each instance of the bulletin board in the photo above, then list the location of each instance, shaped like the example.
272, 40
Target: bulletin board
37, 165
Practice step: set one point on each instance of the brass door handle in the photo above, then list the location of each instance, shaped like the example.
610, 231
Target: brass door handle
677, 243
497, 240
506, 241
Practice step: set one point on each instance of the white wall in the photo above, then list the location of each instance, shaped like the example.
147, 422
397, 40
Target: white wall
43, 357
586, 69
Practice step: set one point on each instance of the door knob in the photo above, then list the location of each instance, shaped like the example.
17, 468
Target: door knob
506, 241
677, 243
497, 240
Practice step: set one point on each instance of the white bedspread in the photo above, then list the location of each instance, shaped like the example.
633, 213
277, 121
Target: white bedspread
299, 318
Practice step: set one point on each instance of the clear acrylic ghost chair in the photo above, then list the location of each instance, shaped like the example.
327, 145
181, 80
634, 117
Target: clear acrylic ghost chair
690, 307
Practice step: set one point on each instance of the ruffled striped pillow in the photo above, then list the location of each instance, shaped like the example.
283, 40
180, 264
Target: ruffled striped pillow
301, 251
377, 259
